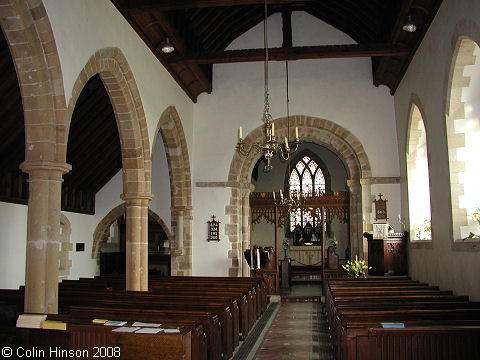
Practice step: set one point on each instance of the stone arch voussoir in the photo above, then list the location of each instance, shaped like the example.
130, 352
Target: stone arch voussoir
30, 37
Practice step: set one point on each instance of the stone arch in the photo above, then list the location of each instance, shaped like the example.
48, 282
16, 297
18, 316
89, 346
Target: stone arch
465, 38
116, 75
109, 219
171, 130
66, 247
29, 34
102, 227
311, 129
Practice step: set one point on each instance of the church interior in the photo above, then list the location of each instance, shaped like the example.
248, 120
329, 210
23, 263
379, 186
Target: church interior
250, 173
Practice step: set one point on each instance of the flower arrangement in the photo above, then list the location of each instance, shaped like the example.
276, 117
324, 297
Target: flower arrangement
476, 216
357, 268
424, 231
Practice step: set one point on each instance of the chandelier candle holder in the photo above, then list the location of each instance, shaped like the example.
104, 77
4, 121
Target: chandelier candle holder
291, 200
270, 146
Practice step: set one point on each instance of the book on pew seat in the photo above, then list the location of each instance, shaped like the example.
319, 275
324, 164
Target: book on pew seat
114, 323
99, 321
126, 329
54, 325
142, 324
171, 331
392, 325
32, 321
149, 330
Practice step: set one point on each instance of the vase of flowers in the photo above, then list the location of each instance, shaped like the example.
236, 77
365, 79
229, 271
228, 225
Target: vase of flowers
357, 268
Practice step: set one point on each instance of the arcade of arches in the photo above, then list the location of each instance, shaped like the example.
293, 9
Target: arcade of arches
67, 184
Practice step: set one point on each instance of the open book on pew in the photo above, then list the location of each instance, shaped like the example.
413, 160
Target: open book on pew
32, 321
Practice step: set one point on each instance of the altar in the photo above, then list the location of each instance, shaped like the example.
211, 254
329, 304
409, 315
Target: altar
306, 255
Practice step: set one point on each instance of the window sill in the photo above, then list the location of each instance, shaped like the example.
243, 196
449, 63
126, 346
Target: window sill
468, 244
421, 244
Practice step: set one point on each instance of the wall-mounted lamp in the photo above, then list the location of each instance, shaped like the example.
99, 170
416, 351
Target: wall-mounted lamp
167, 47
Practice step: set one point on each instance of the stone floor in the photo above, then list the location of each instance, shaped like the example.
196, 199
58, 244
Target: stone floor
296, 330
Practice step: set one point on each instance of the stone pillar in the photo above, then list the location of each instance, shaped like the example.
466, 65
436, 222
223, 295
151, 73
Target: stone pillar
43, 234
180, 232
245, 231
136, 215
356, 245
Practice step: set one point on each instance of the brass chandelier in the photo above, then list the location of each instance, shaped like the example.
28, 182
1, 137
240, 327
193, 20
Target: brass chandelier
270, 146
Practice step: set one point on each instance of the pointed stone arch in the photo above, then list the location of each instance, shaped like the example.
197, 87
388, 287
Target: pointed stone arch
34, 52
112, 67
117, 77
171, 130
311, 129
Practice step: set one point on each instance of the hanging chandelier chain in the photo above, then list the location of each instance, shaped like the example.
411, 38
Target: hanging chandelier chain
269, 147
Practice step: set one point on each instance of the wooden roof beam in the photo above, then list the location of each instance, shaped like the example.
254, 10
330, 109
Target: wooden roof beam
292, 53
171, 5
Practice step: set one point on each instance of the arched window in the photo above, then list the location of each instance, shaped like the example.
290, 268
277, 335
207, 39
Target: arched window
463, 137
418, 178
307, 177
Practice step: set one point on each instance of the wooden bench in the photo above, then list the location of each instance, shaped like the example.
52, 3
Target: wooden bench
357, 309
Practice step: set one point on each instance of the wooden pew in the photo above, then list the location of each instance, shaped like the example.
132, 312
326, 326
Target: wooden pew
352, 306
209, 321
145, 300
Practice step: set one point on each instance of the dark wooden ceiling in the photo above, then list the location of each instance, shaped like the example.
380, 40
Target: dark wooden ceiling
93, 147
201, 30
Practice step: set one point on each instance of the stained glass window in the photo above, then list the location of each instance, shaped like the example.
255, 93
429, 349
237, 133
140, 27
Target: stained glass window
307, 177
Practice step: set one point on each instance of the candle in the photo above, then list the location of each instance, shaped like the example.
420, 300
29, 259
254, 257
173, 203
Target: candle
356, 258
273, 195
399, 217
286, 145
273, 129
258, 258
281, 194
296, 133
239, 133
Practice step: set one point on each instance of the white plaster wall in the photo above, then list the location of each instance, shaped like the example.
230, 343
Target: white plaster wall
82, 263
13, 245
161, 202
210, 258
339, 90
392, 193
427, 78
82, 27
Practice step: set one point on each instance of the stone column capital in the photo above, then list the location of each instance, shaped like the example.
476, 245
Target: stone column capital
137, 197
366, 181
354, 185
49, 170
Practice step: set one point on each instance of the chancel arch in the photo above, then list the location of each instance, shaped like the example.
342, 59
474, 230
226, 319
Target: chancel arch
115, 73
315, 130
